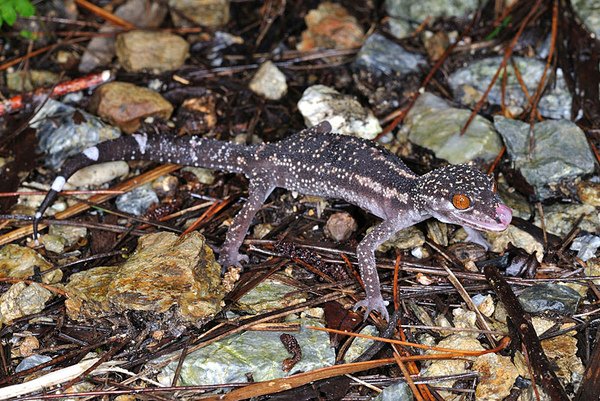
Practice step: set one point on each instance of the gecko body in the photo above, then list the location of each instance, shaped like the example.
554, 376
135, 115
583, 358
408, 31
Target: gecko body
317, 162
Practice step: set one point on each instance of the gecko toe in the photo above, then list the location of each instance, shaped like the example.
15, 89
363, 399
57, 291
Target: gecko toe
373, 305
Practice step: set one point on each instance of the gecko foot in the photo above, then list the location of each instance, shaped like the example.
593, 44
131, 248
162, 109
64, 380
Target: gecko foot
227, 259
374, 304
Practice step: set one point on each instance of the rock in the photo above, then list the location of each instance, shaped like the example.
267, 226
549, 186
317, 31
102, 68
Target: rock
166, 185
259, 353
344, 112
32, 361
64, 131
434, 125
197, 115
271, 294
586, 245
20, 262
141, 13
469, 83
204, 175
589, 192
435, 44
544, 297
176, 277
340, 226
329, 26
26, 81
269, 82
521, 239
126, 105
208, 13
137, 201
562, 353
387, 58
485, 304
405, 15
360, 345
561, 152
408, 238
592, 269
588, 11
154, 51
22, 300
399, 391
496, 377
559, 218
98, 174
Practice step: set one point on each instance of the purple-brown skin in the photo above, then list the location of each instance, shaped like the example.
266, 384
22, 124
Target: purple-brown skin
316, 162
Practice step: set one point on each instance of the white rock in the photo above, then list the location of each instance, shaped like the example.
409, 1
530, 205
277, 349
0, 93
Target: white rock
99, 174
345, 114
269, 82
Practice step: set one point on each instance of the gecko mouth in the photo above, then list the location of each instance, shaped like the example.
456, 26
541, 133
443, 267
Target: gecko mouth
497, 223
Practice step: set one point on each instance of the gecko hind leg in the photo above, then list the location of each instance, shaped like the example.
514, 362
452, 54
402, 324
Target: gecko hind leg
258, 191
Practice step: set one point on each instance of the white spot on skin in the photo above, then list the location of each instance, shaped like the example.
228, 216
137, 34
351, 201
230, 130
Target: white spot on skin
142, 141
58, 184
38, 215
92, 153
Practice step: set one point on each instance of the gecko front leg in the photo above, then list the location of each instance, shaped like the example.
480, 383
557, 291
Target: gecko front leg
259, 190
365, 253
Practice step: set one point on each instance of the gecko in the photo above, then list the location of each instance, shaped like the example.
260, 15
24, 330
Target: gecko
318, 162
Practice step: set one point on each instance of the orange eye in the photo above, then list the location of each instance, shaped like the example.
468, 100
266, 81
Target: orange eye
461, 201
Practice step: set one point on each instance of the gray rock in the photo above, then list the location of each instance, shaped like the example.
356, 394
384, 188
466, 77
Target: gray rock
209, 13
405, 15
561, 151
383, 56
64, 131
137, 201
586, 245
549, 297
435, 125
257, 352
399, 391
588, 11
32, 361
469, 83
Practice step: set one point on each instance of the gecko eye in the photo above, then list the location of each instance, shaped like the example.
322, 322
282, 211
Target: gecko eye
461, 201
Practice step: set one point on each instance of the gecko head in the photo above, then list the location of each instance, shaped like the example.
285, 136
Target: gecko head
461, 194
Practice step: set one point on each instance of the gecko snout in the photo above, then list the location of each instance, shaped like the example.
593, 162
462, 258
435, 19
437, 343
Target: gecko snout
503, 214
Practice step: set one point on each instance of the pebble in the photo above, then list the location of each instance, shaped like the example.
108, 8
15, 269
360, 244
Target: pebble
137, 201
330, 26
269, 82
154, 51
340, 226
545, 297
208, 13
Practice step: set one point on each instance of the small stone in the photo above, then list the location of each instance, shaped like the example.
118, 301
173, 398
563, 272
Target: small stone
559, 219
197, 115
496, 377
549, 297
53, 243
436, 44
340, 226
269, 82
209, 13
561, 151
589, 192
586, 245
408, 238
562, 353
434, 125
126, 105
25, 81
137, 201
345, 114
399, 391
204, 175
155, 51
485, 304
32, 361
98, 174
360, 345
28, 345
21, 300
521, 239
329, 26
592, 269
20, 262
260, 231
166, 185
387, 58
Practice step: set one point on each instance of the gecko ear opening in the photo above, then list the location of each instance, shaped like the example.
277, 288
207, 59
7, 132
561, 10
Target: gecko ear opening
461, 201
